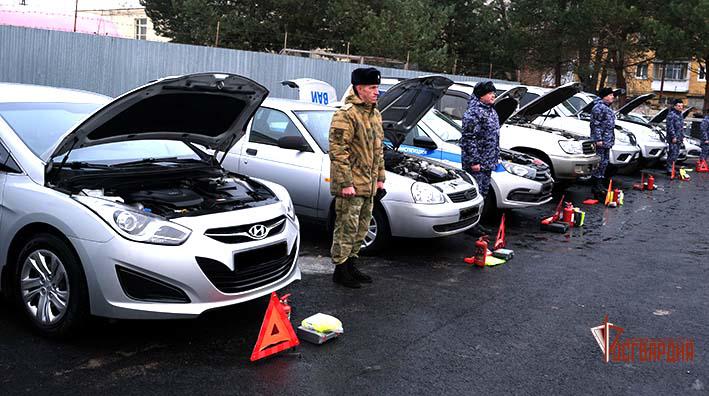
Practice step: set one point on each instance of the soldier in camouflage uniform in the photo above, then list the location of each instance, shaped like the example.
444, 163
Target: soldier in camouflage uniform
480, 141
704, 137
675, 132
356, 172
603, 133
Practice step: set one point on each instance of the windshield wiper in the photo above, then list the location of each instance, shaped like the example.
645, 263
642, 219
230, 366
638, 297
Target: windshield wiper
85, 165
145, 161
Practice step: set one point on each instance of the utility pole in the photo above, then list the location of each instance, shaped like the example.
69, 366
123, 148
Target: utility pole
406, 66
455, 65
490, 75
216, 39
76, 13
285, 41
348, 48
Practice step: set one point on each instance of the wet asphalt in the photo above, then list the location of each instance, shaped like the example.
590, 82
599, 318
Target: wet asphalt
430, 323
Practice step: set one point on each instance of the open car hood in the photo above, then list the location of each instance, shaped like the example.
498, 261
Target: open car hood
209, 109
404, 104
515, 93
505, 108
659, 117
547, 101
633, 104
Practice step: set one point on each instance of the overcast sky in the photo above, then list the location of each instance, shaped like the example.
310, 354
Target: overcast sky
68, 5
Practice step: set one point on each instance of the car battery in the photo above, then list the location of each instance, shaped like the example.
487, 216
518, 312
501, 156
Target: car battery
505, 254
555, 227
315, 337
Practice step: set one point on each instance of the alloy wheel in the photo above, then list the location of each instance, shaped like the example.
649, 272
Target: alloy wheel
44, 287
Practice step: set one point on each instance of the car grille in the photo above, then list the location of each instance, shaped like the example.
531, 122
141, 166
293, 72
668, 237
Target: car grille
253, 268
542, 176
588, 147
240, 234
462, 196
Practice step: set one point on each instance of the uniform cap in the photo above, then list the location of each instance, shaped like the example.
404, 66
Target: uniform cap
483, 88
605, 91
366, 76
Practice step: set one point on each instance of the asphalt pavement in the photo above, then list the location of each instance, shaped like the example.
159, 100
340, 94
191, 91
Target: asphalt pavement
430, 323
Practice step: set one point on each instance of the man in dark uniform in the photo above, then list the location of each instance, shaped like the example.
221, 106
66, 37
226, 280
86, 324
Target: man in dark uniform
675, 133
480, 143
603, 133
356, 172
704, 137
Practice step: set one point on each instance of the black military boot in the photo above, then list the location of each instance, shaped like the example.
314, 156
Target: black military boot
343, 276
356, 273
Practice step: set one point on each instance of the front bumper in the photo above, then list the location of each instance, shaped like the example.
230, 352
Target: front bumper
570, 167
652, 150
412, 220
512, 191
178, 267
623, 155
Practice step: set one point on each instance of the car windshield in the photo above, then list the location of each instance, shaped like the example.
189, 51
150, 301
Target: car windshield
40, 125
317, 122
443, 126
134, 150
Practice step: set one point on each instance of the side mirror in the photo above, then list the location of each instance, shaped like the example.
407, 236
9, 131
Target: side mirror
294, 143
425, 142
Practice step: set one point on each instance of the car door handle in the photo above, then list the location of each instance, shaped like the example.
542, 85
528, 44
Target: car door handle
251, 151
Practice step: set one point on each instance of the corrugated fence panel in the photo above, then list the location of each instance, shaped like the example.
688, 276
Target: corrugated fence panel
110, 65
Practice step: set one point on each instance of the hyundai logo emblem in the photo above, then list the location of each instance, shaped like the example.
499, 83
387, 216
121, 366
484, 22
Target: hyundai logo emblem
258, 231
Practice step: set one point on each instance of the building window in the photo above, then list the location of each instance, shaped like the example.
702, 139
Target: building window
141, 28
641, 72
702, 73
673, 71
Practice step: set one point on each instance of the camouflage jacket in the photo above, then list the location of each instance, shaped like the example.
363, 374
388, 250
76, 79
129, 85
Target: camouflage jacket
704, 129
603, 124
480, 142
675, 126
356, 147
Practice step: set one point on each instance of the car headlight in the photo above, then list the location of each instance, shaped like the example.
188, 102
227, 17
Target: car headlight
426, 194
623, 138
288, 207
135, 225
519, 170
571, 146
655, 137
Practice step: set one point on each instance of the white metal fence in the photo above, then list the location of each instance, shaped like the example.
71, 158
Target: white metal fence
110, 65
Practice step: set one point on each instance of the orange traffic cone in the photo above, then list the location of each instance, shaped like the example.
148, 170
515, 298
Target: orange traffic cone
609, 193
672, 177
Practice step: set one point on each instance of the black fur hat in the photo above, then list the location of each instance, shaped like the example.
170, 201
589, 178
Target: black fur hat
366, 76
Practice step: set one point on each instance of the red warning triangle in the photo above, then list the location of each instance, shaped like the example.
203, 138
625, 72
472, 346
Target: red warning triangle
276, 333
500, 240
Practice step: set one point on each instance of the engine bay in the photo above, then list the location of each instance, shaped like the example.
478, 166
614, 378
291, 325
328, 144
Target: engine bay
417, 168
187, 197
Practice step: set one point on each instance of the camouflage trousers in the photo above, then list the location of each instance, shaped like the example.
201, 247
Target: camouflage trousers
352, 218
483, 179
672, 154
705, 151
604, 154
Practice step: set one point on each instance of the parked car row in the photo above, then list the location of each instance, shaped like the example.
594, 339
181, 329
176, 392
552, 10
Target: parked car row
184, 195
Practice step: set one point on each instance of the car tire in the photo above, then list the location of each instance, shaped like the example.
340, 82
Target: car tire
49, 287
379, 227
